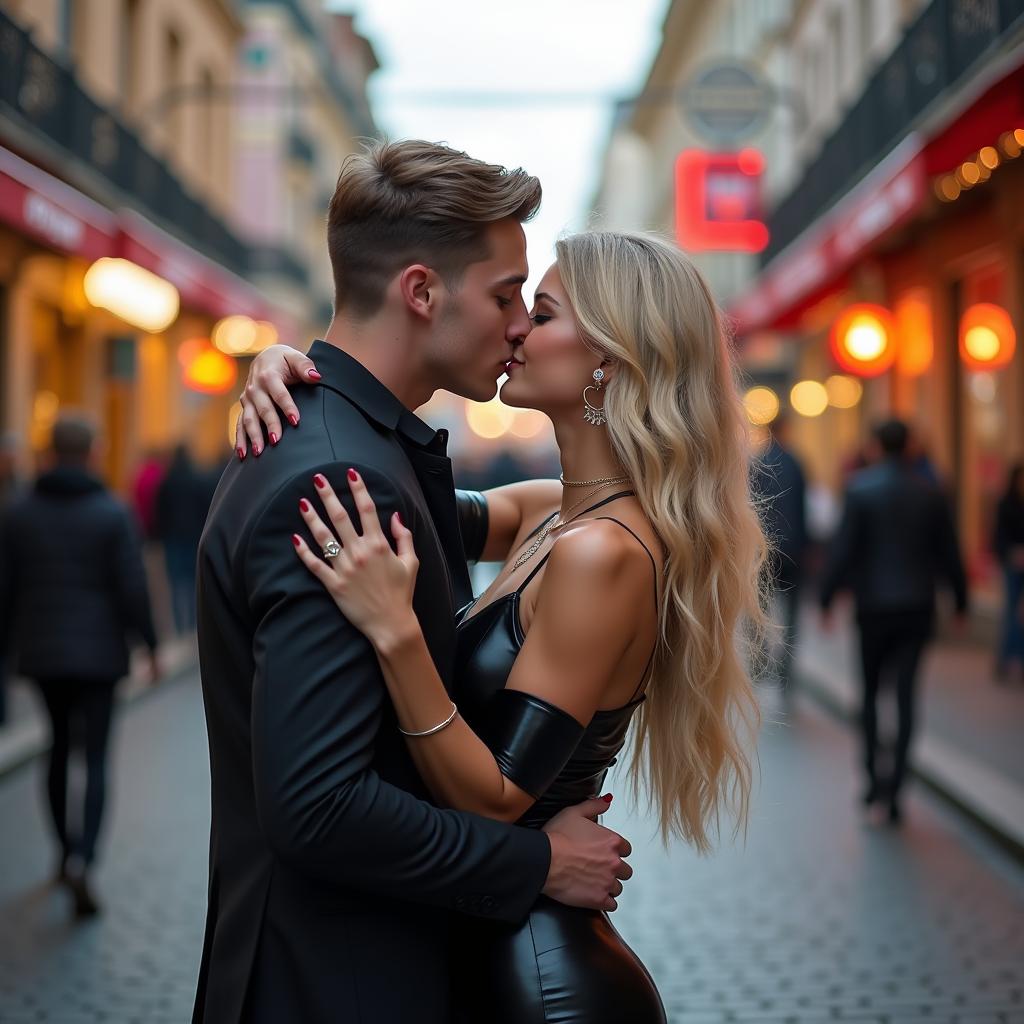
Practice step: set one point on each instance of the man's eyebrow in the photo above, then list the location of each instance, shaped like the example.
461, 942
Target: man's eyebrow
544, 295
510, 280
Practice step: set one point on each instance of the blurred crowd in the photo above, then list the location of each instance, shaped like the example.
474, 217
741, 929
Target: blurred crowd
85, 576
892, 547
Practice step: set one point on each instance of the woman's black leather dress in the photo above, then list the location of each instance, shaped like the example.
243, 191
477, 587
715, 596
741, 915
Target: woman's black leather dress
562, 965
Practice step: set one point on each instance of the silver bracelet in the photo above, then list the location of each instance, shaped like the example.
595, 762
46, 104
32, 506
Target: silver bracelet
437, 728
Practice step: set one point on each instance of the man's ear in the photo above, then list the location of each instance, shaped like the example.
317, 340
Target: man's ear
418, 285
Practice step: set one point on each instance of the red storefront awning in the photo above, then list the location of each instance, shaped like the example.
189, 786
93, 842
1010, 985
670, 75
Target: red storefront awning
60, 217
47, 210
887, 198
202, 283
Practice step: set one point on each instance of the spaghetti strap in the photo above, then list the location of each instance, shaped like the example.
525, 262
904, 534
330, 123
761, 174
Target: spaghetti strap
657, 603
537, 568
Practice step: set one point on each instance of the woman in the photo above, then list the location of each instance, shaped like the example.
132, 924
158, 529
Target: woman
622, 594
1009, 545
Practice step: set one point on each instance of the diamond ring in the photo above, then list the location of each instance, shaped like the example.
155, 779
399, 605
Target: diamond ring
332, 549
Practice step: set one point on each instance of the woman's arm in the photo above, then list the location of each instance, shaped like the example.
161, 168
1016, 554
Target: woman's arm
581, 628
510, 507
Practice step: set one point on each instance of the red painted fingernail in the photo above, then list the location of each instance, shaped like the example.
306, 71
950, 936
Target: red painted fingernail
303, 504
241, 454
293, 420
273, 438
607, 798
295, 539
353, 475
320, 480
256, 449
313, 374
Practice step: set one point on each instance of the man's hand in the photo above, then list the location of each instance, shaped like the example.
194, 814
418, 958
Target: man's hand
587, 866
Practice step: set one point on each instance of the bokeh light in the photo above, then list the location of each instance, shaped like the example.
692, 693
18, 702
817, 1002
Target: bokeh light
808, 398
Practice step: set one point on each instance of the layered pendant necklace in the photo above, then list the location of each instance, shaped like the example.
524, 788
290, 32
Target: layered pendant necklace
565, 519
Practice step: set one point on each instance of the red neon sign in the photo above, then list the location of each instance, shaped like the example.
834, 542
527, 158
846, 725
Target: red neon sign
718, 201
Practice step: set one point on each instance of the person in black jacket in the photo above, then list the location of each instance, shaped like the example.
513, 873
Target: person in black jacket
780, 485
72, 597
1009, 546
333, 877
182, 501
895, 539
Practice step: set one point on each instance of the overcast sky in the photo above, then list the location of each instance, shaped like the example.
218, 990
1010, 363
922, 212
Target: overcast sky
590, 48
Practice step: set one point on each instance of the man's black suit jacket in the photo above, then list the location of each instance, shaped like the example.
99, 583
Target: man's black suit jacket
331, 876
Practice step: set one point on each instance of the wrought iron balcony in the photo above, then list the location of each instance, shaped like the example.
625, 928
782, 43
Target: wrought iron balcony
937, 54
49, 100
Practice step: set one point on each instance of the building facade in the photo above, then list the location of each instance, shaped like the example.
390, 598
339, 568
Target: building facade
128, 226
892, 184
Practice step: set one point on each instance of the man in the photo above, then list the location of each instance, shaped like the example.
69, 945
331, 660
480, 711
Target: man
895, 538
331, 877
72, 595
780, 483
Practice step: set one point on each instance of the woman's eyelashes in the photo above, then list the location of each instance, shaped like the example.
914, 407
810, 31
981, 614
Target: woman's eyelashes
539, 318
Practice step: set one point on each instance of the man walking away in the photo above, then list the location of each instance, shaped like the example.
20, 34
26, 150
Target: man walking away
896, 537
72, 592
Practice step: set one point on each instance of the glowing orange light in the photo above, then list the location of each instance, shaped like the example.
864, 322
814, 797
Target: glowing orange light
189, 350
209, 370
989, 157
916, 336
863, 339
987, 336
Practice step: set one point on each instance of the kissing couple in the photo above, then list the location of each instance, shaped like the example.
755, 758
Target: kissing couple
404, 780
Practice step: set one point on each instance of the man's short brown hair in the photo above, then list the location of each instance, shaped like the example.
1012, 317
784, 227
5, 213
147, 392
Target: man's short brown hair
408, 202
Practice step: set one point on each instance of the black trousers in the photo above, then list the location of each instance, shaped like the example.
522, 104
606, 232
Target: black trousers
80, 711
891, 644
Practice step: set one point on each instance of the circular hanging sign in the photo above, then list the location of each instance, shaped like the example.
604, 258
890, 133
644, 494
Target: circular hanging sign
727, 102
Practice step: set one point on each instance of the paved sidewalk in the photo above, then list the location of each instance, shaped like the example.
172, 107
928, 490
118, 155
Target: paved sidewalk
25, 733
819, 918
970, 731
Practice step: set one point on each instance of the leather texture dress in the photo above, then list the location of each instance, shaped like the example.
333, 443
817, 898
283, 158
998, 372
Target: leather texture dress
562, 965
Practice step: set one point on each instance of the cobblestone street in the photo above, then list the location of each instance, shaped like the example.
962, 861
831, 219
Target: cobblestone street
820, 917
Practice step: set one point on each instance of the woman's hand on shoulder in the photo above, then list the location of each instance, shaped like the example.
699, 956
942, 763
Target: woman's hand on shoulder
265, 395
589, 605
369, 581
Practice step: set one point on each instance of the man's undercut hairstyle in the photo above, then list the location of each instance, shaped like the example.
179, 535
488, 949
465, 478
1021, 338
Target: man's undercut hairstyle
73, 438
400, 203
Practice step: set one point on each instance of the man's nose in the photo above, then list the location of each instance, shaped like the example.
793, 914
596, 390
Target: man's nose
519, 325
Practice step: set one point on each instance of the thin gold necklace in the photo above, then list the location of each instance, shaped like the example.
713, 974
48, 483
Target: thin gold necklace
590, 483
563, 521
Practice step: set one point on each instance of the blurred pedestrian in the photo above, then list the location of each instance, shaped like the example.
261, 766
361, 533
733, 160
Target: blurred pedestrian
896, 537
72, 596
145, 488
1009, 546
10, 486
182, 501
780, 486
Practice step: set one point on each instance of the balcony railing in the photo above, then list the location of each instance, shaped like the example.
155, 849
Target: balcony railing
50, 100
937, 54
266, 259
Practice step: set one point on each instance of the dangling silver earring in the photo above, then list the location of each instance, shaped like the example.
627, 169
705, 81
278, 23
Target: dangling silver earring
591, 413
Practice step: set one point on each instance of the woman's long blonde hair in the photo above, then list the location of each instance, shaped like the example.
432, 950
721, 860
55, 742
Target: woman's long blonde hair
676, 424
